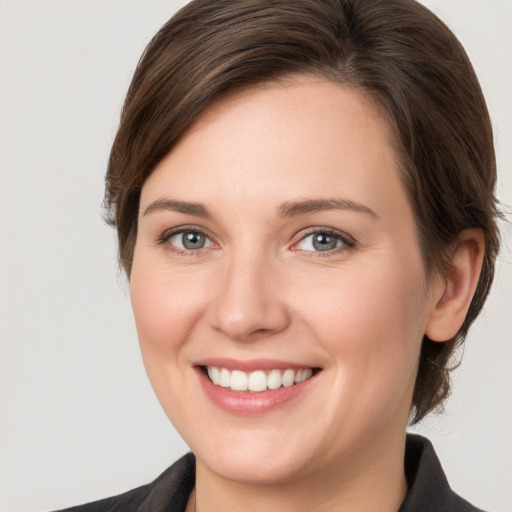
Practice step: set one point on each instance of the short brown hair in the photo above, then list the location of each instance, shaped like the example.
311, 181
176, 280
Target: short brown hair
396, 50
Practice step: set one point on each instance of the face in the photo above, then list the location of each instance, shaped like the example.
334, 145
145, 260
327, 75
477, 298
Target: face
277, 252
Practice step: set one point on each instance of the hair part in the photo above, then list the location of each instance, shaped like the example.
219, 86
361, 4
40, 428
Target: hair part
397, 51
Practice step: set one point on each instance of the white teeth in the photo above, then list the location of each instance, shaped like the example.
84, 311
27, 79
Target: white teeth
258, 380
306, 374
274, 379
225, 378
303, 375
288, 378
214, 374
238, 381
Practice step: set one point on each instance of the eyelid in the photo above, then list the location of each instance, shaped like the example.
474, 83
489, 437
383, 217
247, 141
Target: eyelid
163, 239
347, 240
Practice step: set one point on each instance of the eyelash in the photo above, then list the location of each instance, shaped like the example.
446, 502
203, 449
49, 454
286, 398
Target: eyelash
167, 235
347, 241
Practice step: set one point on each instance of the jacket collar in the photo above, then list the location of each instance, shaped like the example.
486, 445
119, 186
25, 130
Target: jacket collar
428, 487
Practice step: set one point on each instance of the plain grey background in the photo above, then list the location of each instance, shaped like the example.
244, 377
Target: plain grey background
78, 417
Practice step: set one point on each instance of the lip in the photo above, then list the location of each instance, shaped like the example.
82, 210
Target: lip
250, 366
248, 403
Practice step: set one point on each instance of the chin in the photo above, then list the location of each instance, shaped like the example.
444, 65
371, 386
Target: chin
245, 468
250, 459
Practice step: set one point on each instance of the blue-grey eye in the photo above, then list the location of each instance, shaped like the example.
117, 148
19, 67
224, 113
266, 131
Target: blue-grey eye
320, 242
190, 240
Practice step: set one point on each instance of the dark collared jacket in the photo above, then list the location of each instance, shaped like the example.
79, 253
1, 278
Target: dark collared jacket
428, 488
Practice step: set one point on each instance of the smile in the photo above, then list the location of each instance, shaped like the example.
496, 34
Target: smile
259, 380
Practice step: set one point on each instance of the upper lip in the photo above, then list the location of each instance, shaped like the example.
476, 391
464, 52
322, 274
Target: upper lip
251, 365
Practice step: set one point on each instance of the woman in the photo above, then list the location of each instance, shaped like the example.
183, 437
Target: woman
304, 198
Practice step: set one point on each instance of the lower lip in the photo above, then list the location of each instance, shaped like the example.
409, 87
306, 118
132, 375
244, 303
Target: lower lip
247, 403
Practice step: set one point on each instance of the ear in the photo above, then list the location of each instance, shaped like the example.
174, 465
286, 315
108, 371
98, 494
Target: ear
455, 291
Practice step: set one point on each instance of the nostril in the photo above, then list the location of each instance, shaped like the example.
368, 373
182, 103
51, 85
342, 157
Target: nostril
261, 332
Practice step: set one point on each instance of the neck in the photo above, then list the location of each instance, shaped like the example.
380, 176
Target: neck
372, 480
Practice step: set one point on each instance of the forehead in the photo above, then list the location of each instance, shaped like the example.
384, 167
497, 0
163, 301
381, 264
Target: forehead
297, 105
300, 137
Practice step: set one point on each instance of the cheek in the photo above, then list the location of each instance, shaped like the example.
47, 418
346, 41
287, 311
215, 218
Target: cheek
371, 324
167, 304
365, 300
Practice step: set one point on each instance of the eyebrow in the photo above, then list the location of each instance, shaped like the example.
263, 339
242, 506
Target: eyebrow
178, 206
302, 207
287, 209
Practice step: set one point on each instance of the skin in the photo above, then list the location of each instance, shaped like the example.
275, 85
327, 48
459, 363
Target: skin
259, 289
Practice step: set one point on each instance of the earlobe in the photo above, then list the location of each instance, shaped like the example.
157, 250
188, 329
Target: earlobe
455, 293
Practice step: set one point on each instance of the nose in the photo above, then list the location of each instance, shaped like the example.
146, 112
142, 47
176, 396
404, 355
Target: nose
250, 301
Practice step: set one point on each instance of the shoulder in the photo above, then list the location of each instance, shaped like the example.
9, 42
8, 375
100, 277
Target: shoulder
428, 487
126, 502
171, 488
